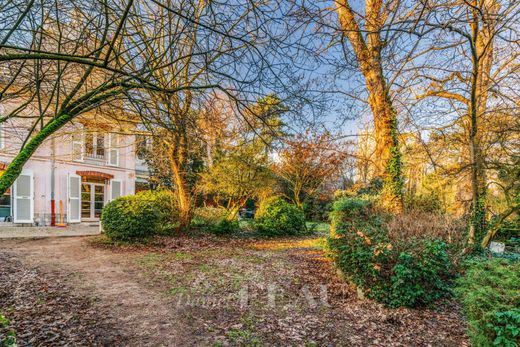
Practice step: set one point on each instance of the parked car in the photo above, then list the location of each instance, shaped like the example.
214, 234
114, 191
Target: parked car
246, 213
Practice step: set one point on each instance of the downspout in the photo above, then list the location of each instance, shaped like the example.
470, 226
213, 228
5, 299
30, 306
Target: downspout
53, 164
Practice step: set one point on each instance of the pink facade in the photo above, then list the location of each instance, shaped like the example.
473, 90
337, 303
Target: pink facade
82, 168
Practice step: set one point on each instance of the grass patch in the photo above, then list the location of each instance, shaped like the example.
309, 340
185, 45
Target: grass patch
245, 334
320, 228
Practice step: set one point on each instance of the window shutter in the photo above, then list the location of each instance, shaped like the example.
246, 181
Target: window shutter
74, 205
2, 132
113, 149
115, 189
77, 146
2, 136
23, 202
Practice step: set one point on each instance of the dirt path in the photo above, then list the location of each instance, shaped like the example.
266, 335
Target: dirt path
110, 279
213, 292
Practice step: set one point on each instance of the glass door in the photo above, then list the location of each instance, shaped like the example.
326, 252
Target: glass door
98, 200
92, 200
85, 200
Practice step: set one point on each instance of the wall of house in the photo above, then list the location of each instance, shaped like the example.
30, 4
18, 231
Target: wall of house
41, 166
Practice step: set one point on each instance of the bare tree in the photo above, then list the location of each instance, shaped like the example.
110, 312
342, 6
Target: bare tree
370, 40
464, 67
71, 58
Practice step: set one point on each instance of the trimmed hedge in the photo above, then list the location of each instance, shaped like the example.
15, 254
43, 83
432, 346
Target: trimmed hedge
136, 217
277, 217
489, 291
413, 272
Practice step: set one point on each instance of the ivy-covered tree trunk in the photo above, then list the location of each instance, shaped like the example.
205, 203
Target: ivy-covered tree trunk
388, 164
483, 32
368, 54
16, 166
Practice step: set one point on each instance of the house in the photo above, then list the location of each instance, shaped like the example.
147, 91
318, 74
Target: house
72, 175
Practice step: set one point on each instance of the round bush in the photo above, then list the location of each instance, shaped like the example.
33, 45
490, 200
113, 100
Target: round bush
276, 217
136, 217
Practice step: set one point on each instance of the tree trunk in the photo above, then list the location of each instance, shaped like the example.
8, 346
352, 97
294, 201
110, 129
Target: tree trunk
492, 232
481, 83
388, 156
233, 212
368, 54
182, 191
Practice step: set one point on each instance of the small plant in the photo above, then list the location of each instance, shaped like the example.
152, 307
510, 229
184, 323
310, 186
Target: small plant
245, 336
489, 294
507, 328
277, 217
136, 217
7, 334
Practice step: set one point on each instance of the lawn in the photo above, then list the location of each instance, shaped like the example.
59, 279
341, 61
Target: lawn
205, 291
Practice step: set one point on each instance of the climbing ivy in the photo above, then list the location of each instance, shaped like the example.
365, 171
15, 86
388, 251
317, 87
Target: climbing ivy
393, 182
16, 166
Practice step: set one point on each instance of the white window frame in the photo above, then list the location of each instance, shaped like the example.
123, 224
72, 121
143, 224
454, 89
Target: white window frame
31, 198
95, 136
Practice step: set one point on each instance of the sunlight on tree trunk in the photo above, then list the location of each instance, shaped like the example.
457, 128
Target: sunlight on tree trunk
483, 30
368, 54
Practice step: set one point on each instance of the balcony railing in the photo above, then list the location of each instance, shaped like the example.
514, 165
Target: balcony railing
94, 156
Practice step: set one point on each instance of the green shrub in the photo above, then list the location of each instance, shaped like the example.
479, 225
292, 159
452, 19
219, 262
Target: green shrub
408, 272
136, 217
225, 227
489, 292
7, 334
317, 208
214, 220
421, 276
277, 217
208, 216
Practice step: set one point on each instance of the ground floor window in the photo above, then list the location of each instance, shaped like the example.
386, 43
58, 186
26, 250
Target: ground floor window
5, 205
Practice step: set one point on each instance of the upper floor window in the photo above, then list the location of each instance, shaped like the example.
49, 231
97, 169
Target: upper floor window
95, 146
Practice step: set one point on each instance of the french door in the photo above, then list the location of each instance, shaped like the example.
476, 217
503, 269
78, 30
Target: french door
92, 200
